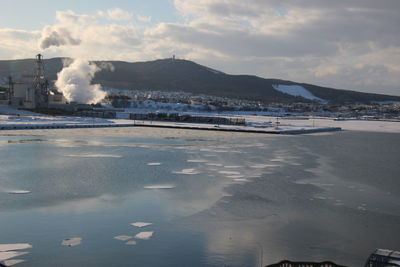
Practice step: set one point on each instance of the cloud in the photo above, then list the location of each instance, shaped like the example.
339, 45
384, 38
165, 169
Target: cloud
116, 14
302, 41
143, 18
87, 36
315, 41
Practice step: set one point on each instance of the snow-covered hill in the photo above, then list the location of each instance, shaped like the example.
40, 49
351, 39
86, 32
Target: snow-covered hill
297, 90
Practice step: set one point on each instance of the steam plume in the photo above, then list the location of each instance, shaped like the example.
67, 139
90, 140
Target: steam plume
56, 36
74, 81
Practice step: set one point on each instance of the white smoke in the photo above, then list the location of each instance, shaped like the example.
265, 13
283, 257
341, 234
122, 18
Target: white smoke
56, 36
74, 81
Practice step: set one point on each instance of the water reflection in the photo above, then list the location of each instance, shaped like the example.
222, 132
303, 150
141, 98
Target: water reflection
238, 202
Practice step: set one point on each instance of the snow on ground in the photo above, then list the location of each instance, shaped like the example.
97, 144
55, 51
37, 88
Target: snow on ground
296, 90
7, 110
253, 122
347, 125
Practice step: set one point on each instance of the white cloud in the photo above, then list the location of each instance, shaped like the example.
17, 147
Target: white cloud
354, 45
143, 18
116, 14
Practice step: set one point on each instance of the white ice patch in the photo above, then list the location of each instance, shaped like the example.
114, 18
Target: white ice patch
71, 242
214, 164
159, 186
144, 235
141, 224
123, 237
277, 160
235, 176
18, 192
187, 171
229, 172
233, 167
17, 246
130, 243
197, 160
260, 166
154, 164
13, 262
94, 156
5, 255
240, 180
296, 90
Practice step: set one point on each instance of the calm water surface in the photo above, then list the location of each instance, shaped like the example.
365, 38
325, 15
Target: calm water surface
213, 201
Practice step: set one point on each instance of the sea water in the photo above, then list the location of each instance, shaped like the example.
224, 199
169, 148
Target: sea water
211, 201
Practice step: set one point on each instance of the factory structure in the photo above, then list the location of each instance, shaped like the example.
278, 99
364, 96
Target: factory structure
32, 91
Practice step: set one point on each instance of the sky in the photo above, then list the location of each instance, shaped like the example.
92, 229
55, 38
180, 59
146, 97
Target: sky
345, 44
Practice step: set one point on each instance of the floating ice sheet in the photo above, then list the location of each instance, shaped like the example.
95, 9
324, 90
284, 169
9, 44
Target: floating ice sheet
154, 163
187, 171
132, 242
144, 235
94, 156
71, 242
123, 237
5, 255
233, 167
17, 246
229, 172
240, 180
197, 160
19, 192
277, 160
13, 262
262, 166
235, 176
214, 164
159, 186
141, 224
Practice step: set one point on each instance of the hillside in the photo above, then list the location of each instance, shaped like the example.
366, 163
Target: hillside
183, 75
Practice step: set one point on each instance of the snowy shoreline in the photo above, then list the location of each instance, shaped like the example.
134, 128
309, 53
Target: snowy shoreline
254, 124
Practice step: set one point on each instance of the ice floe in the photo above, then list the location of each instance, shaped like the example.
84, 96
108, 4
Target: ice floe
197, 160
214, 164
235, 176
144, 235
17, 246
123, 237
240, 180
71, 242
278, 160
132, 242
229, 172
233, 167
187, 171
18, 192
5, 255
262, 166
94, 156
7, 252
141, 224
13, 262
159, 186
154, 163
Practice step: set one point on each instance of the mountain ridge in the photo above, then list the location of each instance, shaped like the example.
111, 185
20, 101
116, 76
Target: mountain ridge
188, 76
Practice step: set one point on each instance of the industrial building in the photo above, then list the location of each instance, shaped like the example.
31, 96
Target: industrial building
31, 91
